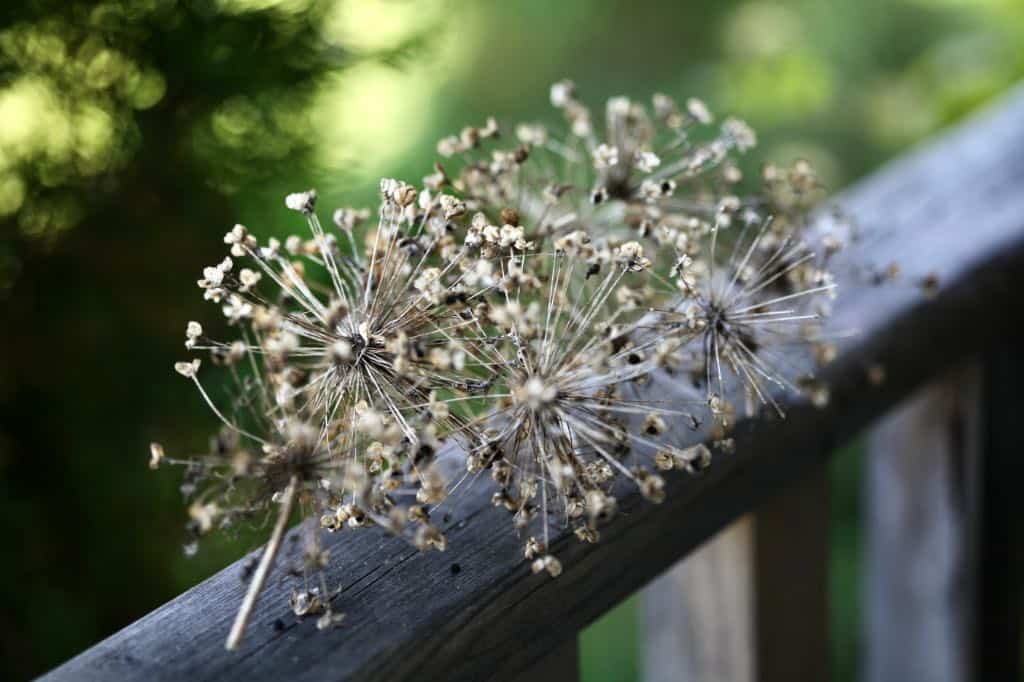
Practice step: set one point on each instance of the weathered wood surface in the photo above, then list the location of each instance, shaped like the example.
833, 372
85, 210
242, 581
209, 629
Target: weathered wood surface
561, 665
920, 593
944, 529
954, 209
791, 583
997, 642
752, 602
698, 618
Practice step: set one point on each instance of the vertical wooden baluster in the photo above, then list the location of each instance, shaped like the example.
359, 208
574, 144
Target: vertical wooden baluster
698, 617
791, 583
945, 536
750, 604
999, 568
945, 530
921, 492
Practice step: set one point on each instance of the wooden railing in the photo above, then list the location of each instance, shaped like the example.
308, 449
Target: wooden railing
943, 509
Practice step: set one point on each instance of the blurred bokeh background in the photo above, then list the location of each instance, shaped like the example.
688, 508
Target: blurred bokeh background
133, 133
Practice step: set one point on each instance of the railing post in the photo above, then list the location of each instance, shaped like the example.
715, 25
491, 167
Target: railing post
918, 584
751, 604
698, 616
791, 582
943, 529
999, 572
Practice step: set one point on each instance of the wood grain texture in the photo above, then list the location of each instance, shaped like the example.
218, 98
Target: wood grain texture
953, 209
944, 529
791, 583
698, 618
752, 602
561, 665
998, 626
920, 502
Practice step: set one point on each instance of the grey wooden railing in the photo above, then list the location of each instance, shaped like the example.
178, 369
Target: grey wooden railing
943, 509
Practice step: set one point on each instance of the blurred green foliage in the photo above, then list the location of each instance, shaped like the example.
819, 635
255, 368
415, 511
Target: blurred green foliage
133, 133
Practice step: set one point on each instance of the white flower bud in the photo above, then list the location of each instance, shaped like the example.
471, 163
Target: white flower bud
303, 202
647, 161
605, 156
156, 455
187, 369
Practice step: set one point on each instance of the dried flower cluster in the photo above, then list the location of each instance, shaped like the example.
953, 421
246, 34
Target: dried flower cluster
512, 310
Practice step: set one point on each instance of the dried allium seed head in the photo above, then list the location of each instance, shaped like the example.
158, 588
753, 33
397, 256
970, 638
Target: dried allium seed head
304, 202
529, 313
156, 455
547, 563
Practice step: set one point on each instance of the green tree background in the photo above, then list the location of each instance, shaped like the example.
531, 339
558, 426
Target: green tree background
133, 133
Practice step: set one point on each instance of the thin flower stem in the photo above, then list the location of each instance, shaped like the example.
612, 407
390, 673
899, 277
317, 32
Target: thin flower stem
259, 578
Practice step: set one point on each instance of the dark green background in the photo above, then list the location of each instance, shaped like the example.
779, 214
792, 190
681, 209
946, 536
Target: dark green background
134, 133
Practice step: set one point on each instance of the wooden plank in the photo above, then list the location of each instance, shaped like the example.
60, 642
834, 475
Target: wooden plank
561, 665
920, 592
751, 603
791, 583
698, 618
998, 634
953, 210
945, 539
